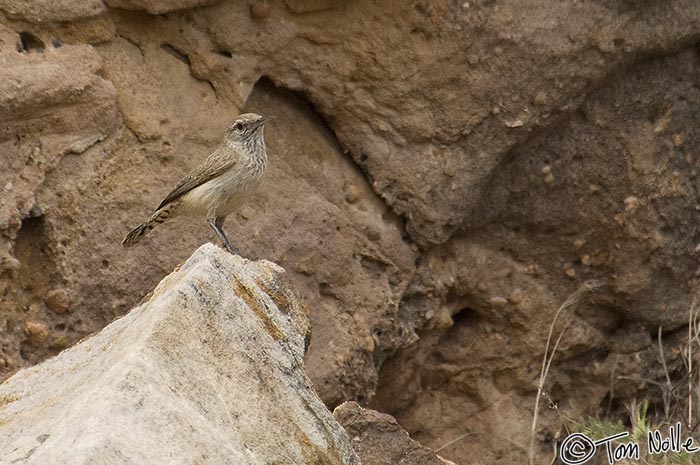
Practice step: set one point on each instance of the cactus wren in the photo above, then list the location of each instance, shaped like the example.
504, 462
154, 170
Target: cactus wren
220, 184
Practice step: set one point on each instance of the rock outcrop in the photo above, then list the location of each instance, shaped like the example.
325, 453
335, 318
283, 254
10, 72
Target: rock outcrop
378, 439
208, 369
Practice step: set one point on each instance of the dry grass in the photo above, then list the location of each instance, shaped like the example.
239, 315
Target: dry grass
679, 399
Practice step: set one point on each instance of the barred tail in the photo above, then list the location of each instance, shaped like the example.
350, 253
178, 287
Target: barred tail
157, 218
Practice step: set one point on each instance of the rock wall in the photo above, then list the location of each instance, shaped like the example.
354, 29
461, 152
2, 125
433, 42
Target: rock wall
443, 176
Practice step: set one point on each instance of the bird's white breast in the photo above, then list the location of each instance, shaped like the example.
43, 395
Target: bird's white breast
223, 194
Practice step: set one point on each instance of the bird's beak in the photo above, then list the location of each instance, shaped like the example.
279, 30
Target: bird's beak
263, 120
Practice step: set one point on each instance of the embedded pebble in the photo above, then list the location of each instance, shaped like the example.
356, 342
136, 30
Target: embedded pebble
516, 296
58, 300
372, 234
369, 344
260, 9
540, 99
530, 268
515, 123
37, 332
352, 193
8, 262
631, 203
58, 343
443, 321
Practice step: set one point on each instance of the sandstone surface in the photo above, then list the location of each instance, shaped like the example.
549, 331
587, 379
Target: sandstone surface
208, 368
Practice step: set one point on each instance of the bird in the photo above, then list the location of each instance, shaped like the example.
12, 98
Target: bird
220, 185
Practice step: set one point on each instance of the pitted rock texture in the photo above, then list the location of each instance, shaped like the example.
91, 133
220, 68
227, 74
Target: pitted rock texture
629, 172
208, 369
439, 171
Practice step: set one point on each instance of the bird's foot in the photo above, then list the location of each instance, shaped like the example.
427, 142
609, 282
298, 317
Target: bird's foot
232, 249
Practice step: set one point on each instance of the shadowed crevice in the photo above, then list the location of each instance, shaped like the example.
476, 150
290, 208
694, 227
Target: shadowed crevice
301, 97
28, 42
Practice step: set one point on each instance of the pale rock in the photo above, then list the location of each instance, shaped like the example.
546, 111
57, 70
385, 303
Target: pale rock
208, 369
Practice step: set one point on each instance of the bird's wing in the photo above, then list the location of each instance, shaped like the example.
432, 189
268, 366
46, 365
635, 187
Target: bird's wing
212, 167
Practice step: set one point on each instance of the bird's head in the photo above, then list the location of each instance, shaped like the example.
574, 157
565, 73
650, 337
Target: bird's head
246, 129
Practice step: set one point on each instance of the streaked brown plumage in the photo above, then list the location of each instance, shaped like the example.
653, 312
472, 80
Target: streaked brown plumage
220, 184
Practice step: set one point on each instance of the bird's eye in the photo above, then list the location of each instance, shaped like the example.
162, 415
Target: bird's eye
239, 126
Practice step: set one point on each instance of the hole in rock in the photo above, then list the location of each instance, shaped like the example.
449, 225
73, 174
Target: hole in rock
29, 42
464, 317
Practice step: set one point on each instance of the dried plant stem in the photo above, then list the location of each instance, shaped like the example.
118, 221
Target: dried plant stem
548, 357
666, 390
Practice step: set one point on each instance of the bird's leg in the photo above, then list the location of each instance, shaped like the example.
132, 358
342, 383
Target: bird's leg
216, 224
